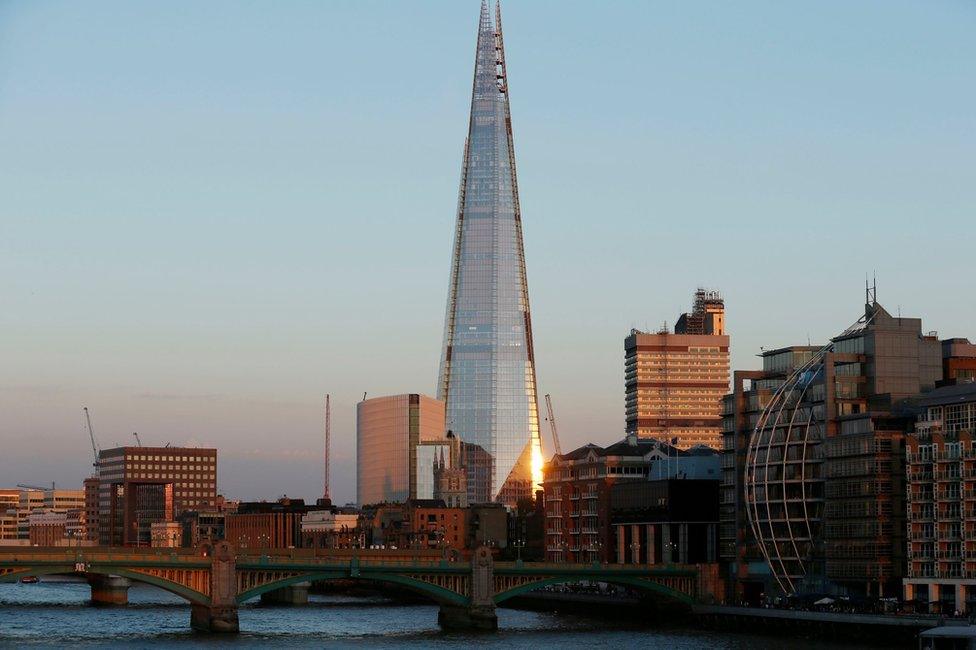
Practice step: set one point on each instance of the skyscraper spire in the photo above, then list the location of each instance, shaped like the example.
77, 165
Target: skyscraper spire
487, 372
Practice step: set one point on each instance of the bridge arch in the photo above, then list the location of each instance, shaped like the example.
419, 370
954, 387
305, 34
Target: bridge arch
194, 597
639, 583
438, 594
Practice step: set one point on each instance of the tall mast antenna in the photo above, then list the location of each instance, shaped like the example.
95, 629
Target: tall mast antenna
328, 441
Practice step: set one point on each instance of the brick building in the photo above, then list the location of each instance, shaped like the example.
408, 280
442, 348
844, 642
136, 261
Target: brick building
577, 489
261, 524
941, 507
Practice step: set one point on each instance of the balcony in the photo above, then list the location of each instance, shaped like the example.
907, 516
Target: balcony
591, 495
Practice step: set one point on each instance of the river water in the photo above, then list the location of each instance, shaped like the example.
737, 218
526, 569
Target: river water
57, 613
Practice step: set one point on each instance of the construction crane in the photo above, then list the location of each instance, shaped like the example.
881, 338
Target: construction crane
552, 425
138, 442
91, 434
328, 441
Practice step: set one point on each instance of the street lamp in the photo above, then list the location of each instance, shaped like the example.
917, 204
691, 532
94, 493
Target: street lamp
519, 544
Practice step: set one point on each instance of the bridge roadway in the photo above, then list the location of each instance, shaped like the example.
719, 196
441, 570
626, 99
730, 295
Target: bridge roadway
216, 578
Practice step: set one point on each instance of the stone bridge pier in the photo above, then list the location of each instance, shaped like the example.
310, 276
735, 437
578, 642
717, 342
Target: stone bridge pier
479, 613
221, 614
109, 590
296, 594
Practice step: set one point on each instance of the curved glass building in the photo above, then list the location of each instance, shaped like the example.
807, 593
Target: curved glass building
783, 479
487, 374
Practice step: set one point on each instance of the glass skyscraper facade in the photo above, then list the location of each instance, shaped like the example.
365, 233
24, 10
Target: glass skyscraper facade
487, 375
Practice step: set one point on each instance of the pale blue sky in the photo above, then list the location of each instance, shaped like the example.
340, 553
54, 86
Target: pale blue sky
213, 213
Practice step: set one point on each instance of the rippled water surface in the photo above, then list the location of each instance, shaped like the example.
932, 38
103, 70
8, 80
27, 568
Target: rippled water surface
59, 614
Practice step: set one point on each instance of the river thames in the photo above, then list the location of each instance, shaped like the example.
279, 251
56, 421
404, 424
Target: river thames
58, 614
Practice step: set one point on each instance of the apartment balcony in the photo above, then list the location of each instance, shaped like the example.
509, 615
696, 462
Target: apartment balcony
591, 495
574, 515
949, 555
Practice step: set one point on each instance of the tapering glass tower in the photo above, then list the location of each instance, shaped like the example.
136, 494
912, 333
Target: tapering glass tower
487, 374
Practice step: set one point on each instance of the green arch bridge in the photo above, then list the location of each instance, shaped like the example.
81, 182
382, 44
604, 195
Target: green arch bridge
216, 579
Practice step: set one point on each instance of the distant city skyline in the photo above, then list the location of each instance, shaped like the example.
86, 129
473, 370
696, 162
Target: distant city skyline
215, 214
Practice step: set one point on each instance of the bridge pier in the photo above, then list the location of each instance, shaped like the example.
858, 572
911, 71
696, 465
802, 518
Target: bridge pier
467, 617
210, 618
109, 590
220, 615
296, 594
479, 612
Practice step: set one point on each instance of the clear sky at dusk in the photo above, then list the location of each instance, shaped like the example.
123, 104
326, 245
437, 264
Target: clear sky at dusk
213, 213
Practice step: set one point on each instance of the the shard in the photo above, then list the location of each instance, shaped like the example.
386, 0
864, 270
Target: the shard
487, 374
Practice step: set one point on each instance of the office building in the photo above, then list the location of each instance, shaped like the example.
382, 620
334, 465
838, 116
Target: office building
674, 382
260, 524
398, 441
958, 361
142, 485
941, 508
91, 508
813, 455
47, 528
487, 375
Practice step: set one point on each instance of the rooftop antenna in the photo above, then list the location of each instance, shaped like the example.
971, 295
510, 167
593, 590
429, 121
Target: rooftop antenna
328, 439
